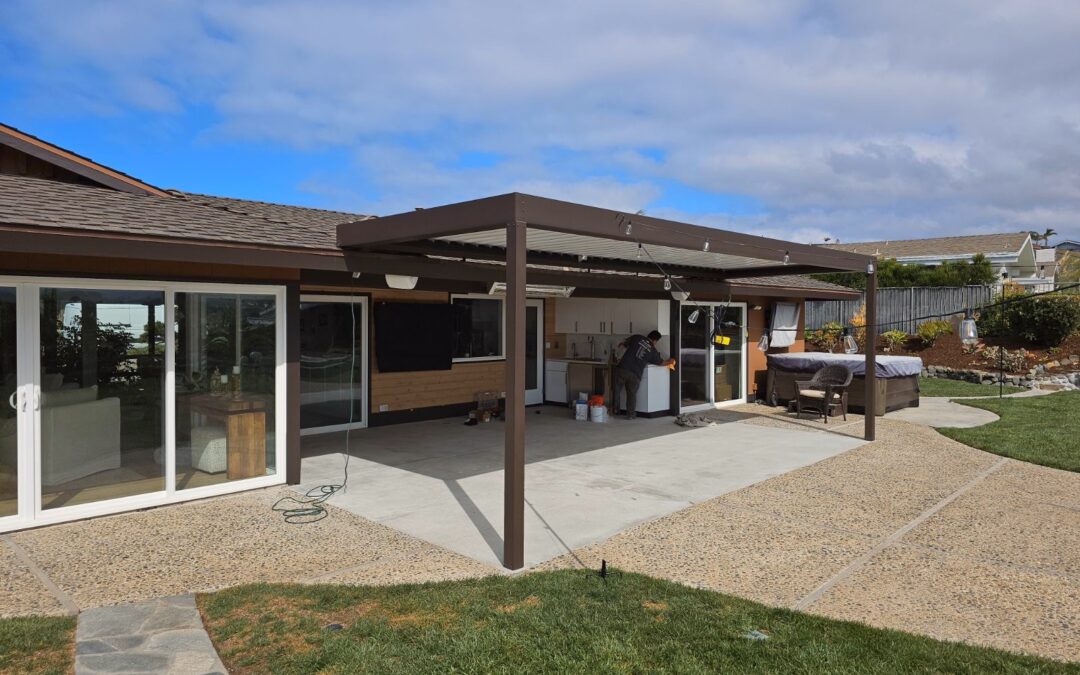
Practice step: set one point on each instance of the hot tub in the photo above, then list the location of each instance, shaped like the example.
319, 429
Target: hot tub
897, 378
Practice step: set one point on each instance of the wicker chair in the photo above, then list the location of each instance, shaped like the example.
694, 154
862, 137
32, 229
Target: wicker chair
827, 388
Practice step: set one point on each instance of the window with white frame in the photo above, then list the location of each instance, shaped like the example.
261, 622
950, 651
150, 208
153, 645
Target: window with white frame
478, 327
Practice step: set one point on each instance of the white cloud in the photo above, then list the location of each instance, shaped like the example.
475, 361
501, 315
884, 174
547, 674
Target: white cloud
842, 117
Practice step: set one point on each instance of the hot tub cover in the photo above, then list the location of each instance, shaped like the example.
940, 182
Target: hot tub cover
810, 362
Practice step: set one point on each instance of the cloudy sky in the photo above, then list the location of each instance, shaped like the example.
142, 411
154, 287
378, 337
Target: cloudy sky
844, 119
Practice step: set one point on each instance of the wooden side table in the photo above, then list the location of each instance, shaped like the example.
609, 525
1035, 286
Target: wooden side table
245, 430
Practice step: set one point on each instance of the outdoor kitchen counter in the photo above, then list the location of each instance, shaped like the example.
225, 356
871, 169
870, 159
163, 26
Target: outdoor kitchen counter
596, 377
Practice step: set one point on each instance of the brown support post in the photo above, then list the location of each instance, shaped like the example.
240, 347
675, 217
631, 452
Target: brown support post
871, 353
514, 486
292, 383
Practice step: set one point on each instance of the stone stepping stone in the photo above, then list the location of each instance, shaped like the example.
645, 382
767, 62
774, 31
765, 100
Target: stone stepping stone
165, 635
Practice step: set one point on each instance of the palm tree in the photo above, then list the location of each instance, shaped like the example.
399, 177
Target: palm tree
1049, 232
1035, 236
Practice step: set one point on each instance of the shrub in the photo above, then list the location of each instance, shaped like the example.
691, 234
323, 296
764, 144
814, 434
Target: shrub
1046, 320
930, 331
1012, 362
858, 326
827, 337
894, 338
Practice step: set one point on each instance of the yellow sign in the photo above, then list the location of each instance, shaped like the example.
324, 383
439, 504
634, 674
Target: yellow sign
722, 340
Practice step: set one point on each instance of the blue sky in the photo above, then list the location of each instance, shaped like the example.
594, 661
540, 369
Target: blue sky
799, 119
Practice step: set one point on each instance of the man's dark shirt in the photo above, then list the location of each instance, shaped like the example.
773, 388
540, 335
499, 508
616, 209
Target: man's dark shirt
639, 353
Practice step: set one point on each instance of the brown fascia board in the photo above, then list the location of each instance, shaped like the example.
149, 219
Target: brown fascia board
560, 216
21, 239
24, 240
83, 166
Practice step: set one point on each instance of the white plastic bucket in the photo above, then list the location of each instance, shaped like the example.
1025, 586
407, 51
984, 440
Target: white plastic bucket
597, 413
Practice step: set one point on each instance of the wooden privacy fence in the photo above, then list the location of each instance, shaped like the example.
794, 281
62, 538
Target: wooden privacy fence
900, 308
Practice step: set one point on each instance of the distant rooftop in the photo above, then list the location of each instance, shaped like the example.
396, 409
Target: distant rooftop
988, 244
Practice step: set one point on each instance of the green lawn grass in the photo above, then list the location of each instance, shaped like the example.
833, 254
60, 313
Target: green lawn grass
37, 644
938, 386
1040, 429
568, 621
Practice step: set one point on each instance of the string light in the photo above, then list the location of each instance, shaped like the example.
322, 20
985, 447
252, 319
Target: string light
667, 283
787, 257
629, 229
706, 246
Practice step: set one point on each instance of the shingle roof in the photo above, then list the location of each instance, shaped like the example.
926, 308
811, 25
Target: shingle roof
1001, 243
52, 204
323, 220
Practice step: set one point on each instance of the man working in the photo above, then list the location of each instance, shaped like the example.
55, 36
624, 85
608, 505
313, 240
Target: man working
640, 352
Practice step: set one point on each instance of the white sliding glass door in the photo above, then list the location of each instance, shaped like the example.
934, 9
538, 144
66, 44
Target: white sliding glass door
534, 352
120, 395
712, 355
16, 391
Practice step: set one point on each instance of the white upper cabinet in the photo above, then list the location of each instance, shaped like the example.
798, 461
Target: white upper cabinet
607, 316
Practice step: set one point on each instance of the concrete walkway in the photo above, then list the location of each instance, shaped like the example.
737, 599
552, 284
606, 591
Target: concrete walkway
942, 411
914, 532
935, 411
156, 636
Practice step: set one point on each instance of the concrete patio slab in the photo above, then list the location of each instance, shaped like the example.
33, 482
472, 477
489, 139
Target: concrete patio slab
584, 481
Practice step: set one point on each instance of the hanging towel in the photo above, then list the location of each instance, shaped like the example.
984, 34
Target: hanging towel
785, 324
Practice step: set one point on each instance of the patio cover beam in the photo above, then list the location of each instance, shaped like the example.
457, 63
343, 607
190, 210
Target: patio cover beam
558, 216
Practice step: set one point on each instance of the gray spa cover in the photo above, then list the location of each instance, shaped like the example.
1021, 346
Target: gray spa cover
809, 362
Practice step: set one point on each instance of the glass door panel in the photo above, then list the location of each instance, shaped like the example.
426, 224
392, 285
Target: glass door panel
534, 339
226, 353
727, 357
11, 398
332, 360
101, 403
693, 356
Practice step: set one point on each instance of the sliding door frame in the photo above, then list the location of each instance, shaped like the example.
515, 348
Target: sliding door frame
362, 308
28, 292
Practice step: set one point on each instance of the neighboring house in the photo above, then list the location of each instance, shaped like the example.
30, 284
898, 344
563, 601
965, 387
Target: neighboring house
159, 345
1068, 245
1012, 254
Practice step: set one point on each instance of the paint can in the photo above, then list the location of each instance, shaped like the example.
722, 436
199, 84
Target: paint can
598, 413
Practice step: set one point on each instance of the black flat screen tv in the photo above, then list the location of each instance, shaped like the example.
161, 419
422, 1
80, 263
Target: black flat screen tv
411, 336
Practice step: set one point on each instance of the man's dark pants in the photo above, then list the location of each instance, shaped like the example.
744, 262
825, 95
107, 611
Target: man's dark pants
625, 379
